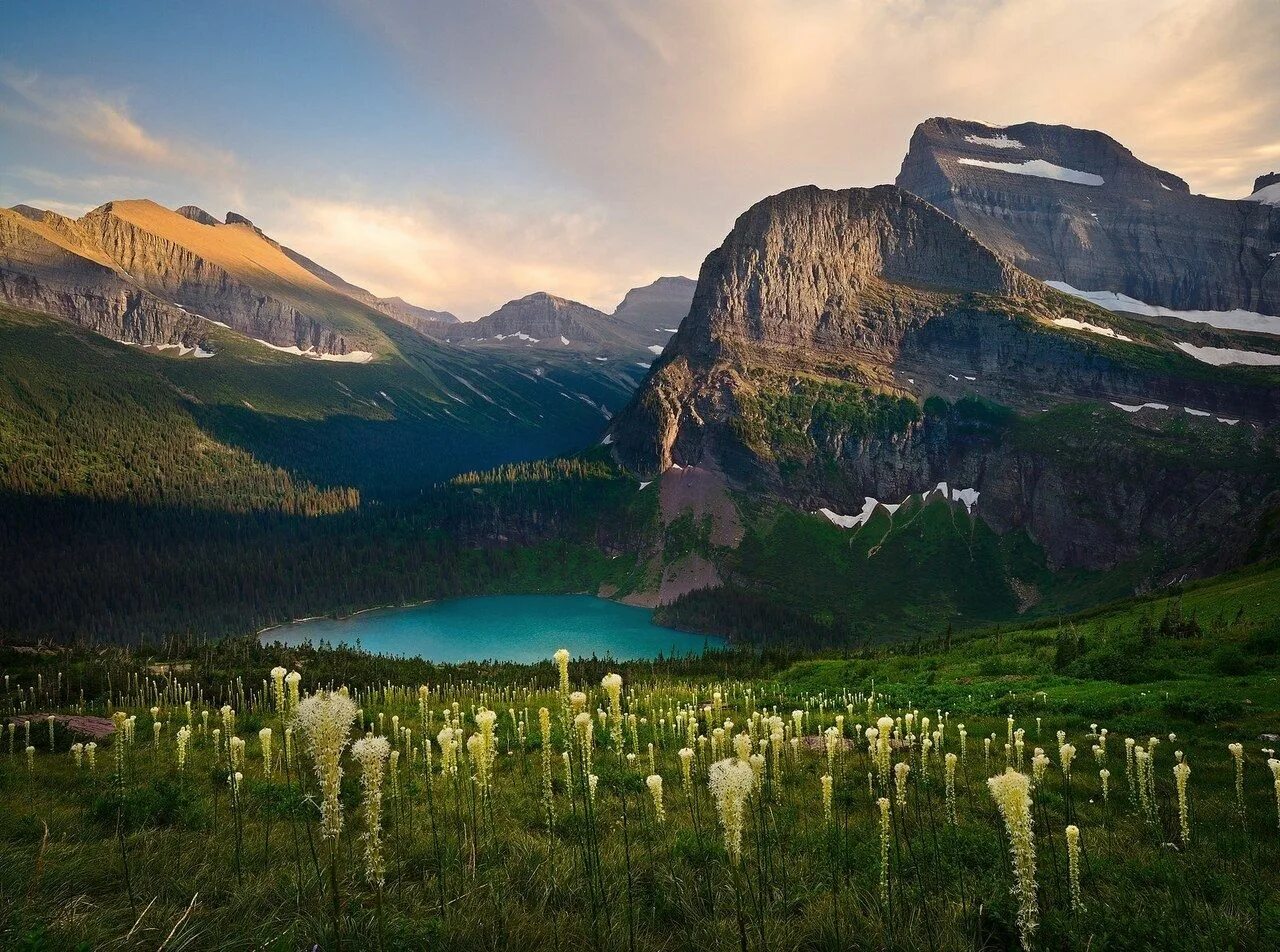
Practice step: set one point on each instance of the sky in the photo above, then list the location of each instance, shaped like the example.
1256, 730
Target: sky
461, 154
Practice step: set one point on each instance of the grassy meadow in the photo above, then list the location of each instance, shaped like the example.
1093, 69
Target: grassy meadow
464, 817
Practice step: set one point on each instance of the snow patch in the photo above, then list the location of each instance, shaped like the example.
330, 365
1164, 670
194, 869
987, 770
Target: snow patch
355, 357
966, 497
608, 439
1135, 407
1221, 356
602, 359
1237, 320
1000, 141
1227, 422
1267, 196
1039, 168
1072, 324
564, 340
648, 482
655, 348
641, 363
1195, 412
518, 335
666, 330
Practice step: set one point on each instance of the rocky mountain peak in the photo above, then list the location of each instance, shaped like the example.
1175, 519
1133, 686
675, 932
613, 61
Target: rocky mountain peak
824, 269
197, 214
1076, 206
1266, 180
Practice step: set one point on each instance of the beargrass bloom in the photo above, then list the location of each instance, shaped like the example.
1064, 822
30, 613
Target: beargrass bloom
949, 768
612, 684
1237, 754
900, 774
826, 798
654, 783
292, 679
885, 827
1181, 772
1011, 793
183, 738
686, 768
1073, 866
731, 781
325, 720
372, 753
264, 739
277, 683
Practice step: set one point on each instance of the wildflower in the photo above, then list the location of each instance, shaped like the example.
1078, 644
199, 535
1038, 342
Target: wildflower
448, 752
372, 753
592, 782
548, 793
325, 720
277, 681
1105, 776
950, 769
91, 755
31, 757
612, 684
1010, 791
155, 735
883, 803
730, 781
77, 754
233, 780
1039, 764
1182, 771
1237, 752
1066, 754
184, 736
562, 662
292, 679
900, 772
1073, 866
686, 768
264, 738
585, 728
485, 750
236, 748
826, 798
654, 782
288, 747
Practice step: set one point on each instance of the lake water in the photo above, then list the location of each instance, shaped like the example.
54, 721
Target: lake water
503, 628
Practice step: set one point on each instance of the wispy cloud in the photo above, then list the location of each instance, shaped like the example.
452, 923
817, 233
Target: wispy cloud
99, 124
467, 256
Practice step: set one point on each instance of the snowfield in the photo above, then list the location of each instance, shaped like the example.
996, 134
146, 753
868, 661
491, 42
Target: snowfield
1237, 320
1040, 169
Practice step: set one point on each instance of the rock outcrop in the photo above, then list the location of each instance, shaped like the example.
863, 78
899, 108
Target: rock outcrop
827, 320
654, 312
47, 263
1075, 206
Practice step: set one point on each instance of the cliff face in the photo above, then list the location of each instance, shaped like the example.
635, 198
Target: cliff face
140, 273
229, 273
48, 264
1076, 206
824, 323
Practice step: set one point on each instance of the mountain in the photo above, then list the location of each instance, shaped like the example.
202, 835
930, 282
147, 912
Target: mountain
48, 263
636, 332
1075, 206
130, 269
862, 355
656, 310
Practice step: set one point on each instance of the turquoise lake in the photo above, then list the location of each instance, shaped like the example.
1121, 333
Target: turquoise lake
502, 628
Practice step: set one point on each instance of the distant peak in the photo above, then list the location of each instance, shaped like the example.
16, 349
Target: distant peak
197, 214
1265, 181
235, 218
30, 211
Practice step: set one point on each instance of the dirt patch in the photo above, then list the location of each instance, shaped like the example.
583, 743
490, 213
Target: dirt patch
79, 724
703, 492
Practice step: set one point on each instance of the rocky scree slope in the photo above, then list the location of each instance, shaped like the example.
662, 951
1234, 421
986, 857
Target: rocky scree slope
860, 343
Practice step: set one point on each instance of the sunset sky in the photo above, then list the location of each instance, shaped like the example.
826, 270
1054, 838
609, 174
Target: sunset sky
461, 154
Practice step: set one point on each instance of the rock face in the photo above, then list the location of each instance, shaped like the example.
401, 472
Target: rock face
140, 273
1075, 206
824, 323
47, 263
545, 321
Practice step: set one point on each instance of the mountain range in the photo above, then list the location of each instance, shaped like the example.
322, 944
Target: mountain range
1035, 373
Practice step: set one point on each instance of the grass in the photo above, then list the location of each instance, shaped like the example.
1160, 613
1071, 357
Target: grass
466, 871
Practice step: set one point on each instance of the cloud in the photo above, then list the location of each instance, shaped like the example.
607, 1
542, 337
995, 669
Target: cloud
676, 116
100, 125
466, 256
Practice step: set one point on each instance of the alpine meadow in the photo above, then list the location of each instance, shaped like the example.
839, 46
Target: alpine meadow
535, 517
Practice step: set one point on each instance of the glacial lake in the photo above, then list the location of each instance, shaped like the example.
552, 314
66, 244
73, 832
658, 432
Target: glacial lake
522, 628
